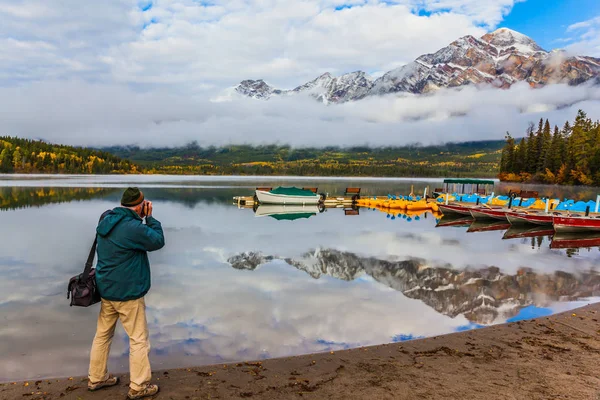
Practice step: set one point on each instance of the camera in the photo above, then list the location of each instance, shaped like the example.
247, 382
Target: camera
145, 208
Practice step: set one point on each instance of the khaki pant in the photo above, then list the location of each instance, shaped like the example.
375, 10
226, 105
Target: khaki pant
133, 317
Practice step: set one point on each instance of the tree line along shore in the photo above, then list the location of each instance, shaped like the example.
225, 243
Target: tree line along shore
567, 156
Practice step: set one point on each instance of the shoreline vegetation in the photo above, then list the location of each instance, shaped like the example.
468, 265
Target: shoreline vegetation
467, 159
543, 358
567, 156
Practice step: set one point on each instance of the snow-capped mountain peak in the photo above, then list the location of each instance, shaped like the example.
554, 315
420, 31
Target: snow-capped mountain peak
498, 59
257, 89
505, 38
326, 88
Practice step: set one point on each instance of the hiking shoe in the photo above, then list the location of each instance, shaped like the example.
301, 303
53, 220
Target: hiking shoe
111, 381
149, 390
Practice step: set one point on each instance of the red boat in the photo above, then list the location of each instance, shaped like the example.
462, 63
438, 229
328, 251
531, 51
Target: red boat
573, 223
517, 218
575, 241
461, 209
491, 213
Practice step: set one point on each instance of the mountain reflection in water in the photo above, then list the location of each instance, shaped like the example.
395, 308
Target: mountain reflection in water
484, 296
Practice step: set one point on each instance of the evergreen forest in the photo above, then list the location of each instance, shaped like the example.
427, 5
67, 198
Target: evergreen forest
567, 156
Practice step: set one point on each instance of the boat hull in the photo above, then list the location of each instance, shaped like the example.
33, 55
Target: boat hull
455, 209
485, 213
576, 224
533, 219
271, 198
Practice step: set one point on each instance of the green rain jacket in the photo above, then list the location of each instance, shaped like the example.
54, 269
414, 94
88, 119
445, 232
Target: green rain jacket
123, 269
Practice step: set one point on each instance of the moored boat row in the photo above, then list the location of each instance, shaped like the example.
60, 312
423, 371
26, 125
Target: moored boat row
561, 221
523, 208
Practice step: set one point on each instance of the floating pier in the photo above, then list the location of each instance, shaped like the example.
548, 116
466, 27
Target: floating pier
351, 195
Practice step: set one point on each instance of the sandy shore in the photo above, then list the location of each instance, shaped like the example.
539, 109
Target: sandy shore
555, 357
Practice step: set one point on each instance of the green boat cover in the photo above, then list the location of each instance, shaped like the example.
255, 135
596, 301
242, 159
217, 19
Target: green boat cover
292, 191
291, 216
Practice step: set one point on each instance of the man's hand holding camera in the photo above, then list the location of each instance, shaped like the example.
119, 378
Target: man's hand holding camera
147, 209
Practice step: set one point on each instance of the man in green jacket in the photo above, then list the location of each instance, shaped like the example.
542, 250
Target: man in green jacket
123, 279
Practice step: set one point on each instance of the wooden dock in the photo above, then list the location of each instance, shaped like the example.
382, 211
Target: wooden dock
351, 194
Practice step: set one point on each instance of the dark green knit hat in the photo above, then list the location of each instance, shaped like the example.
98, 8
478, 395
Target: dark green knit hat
132, 197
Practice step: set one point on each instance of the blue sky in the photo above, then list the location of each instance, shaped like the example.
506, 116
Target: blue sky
546, 21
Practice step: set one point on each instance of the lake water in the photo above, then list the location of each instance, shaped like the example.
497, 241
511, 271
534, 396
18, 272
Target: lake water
233, 284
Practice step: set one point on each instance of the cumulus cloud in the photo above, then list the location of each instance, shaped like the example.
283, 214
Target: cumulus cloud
198, 46
487, 12
587, 37
284, 42
48, 40
99, 114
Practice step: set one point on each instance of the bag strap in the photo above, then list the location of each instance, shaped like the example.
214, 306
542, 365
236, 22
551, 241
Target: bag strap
90, 259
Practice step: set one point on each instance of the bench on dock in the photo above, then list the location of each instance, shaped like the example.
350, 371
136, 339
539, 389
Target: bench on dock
264, 189
355, 192
312, 189
529, 194
351, 211
524, 194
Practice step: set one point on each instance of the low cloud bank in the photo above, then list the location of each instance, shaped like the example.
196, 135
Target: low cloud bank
80, 113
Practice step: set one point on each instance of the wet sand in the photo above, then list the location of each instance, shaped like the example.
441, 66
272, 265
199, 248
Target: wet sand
555, 357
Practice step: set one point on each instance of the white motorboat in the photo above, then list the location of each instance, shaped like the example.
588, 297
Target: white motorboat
288, 195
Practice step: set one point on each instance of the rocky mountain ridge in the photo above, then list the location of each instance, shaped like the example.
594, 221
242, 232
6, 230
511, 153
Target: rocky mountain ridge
498, 59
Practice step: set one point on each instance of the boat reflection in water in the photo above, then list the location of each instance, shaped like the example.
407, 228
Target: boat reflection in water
487, 226
293, 212
455, 220
572, 241
569, 241
287, 212
575, 240
407, 215
527, 231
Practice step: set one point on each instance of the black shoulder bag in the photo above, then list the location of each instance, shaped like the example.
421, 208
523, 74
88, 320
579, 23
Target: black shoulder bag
82, 289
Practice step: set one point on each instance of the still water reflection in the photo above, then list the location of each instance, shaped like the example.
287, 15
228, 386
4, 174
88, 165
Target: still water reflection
235, 284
